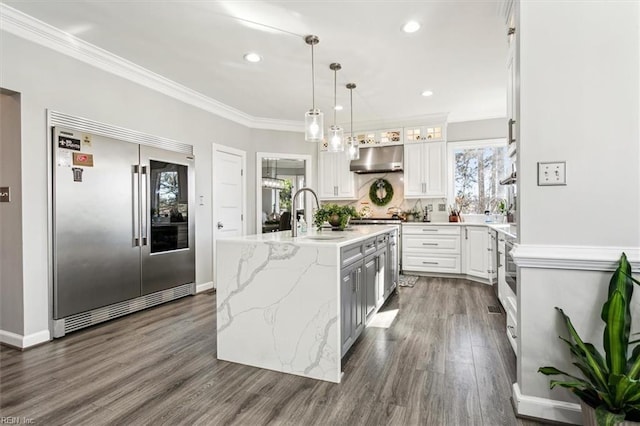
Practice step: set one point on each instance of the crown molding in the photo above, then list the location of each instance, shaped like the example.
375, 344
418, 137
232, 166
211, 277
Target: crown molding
29, 28
584, 258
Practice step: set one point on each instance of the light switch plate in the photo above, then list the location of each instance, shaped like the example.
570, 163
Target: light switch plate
5, 194
442, 207
552, 173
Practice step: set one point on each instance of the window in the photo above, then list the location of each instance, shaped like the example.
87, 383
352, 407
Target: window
477, 168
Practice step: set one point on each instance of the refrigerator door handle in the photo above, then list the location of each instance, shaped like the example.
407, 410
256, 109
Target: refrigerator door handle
144, 201
135, 203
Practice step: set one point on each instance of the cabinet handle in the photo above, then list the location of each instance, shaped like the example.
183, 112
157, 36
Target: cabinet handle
491, 271
510, 328
511, 31
335, 191
466, 234
489, 249
429, 244
429, 230
511, 138
430, 263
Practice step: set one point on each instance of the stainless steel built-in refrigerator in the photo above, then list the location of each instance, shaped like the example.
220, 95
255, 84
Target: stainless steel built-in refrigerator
123, 227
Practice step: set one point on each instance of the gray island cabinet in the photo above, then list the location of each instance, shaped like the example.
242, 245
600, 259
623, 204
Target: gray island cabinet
297, 304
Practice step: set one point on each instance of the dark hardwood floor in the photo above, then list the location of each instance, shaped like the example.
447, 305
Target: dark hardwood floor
444, 360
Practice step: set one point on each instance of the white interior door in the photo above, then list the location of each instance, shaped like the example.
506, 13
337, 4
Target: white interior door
229, 190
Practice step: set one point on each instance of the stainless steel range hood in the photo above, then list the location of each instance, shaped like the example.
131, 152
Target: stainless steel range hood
379, 159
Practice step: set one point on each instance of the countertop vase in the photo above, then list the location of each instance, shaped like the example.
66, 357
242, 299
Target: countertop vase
335, 222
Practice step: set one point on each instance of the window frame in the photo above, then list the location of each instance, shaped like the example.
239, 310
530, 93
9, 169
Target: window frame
467, 144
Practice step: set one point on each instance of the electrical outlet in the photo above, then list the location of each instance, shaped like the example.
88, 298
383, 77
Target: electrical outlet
442, 207
552, 173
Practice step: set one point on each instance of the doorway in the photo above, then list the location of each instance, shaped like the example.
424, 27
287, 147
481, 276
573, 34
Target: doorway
278, 177
229, 185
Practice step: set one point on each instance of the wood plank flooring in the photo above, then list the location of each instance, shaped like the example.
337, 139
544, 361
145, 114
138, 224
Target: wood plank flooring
444, 360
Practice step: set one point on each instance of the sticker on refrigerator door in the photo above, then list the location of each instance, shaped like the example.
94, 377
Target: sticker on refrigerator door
64, 158
77, 174
68, 143
86, 141
81, 159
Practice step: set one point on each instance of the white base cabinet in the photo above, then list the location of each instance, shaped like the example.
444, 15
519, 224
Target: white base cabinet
468, 250
476, 253
430, 248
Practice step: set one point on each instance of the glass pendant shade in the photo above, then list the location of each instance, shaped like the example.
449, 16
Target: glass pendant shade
335, 140
313, 126
353, 148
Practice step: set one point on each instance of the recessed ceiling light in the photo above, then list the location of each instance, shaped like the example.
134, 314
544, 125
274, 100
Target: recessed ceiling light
338, 107
252, 57
411, 27
427, 93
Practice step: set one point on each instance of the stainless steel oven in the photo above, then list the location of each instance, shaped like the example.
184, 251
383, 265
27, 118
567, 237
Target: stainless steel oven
510, 270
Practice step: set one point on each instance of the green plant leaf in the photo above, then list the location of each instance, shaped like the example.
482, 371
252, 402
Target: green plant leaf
616, 315
552, 371
633, 365
590, 360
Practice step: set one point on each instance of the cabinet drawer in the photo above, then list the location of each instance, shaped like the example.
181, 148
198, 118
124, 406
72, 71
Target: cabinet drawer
430, 230
351, 254
369, 246
381, 241
432, 243
431, 263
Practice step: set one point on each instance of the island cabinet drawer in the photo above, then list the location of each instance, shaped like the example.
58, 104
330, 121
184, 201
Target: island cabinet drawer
430, 230
351, 254
369, 246
431, 263
432, 243
381, 241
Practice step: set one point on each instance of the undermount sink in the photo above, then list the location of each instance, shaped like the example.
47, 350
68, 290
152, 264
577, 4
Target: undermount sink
323, 237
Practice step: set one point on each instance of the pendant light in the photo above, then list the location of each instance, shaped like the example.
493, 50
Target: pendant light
335, 139
313, 119
353, 146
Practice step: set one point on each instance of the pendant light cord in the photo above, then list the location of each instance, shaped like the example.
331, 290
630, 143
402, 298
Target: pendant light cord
335, 78
313, 81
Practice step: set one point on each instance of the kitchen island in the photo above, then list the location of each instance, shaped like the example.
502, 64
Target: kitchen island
296, 304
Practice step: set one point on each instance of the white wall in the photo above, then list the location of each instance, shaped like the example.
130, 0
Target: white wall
494, 128
579, 103
46, 79
579, 86
11, 300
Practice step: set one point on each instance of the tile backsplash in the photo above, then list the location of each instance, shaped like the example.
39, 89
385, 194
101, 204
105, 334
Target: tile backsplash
364, 182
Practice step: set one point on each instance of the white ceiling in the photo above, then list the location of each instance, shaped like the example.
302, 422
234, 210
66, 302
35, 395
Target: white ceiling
459, 53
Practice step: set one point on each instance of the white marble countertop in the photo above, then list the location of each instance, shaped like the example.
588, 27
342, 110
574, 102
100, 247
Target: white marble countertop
323, 238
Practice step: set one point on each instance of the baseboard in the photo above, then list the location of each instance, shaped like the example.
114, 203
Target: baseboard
22, 342
548, 409
204, 287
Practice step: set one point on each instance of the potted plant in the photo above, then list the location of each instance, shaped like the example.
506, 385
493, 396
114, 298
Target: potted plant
610, 389
337, 216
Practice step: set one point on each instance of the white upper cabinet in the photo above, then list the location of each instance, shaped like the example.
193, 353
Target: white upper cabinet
335, 180
380, 137
425, 170
425, 133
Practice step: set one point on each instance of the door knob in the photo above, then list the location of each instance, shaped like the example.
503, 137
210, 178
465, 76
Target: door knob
220, 225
